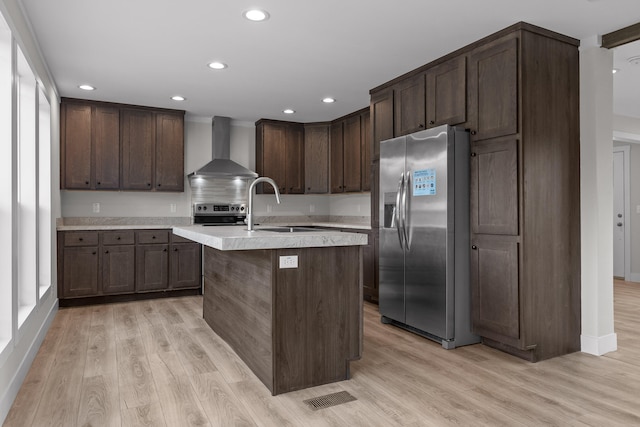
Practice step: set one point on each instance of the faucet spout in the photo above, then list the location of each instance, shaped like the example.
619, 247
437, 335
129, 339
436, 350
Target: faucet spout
270, 181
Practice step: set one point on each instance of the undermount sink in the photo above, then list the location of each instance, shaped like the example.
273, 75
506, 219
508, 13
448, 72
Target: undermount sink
292, 229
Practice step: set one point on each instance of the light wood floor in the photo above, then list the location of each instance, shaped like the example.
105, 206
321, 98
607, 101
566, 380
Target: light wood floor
156, 363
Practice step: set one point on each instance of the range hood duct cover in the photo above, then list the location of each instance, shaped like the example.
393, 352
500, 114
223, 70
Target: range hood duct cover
222, 166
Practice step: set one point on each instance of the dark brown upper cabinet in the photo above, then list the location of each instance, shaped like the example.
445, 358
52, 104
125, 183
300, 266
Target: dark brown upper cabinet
108, 146
280, 155
410, 105
366, 148
381, 110
352, 162
432, 98
90, 145
169, 151
350, 149
337, 157
316, 155
294, 170
447, 93
138, 144
493, 89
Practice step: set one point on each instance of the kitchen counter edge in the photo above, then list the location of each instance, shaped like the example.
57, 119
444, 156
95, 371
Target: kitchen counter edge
233, 238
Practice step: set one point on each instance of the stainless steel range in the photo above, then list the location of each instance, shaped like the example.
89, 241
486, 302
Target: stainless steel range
219, 213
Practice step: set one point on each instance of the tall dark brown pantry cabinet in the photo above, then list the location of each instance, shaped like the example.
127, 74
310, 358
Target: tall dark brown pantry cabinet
517, 93
525, 193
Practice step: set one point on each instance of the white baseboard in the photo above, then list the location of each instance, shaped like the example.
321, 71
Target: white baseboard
598, 345
633, 277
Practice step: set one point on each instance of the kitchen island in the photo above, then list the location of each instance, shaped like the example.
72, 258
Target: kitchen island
288, 303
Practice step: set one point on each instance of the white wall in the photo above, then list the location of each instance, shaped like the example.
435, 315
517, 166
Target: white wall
596, 198
17, 357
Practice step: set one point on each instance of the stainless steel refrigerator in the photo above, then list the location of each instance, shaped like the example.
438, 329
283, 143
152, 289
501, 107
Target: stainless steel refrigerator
424, 234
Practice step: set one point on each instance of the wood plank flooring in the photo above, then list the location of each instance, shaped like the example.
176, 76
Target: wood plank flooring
156, 363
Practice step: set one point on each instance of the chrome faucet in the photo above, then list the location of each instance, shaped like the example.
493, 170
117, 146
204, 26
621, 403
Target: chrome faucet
249, 219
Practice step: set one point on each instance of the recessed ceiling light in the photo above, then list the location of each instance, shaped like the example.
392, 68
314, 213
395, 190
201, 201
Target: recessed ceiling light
615, 70
256, 15
217, 65
288, 111
328, 100
87, 87
178, 98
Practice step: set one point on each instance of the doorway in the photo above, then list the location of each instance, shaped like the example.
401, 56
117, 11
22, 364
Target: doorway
621, 214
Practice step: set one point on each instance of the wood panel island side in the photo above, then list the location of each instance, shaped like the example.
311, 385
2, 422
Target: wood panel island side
295, 327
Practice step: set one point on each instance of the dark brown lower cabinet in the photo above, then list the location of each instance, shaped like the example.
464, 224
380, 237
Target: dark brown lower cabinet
118, 269
125, 262
494, 292
185, 265
152, 267
80, 265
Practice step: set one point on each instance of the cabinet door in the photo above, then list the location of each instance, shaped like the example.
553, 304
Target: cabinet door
169, 166
106, 135
138, 149
336, 163
316, 155
494, 288
382, 119
294, 160
447, 93
493, 87
80, 271
152, 267
185, 266
494, 187
118, 269
352, 161
375, 194
76, 146
365, 151
270, 154
410, 100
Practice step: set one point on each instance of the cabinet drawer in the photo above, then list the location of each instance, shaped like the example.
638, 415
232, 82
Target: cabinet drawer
153, 236
81, 238
118, 238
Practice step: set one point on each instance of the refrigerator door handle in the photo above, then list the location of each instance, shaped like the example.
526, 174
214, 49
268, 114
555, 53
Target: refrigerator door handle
397, 211
406, 211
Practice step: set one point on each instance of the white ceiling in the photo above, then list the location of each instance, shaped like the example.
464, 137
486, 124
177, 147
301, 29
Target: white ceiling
144, 51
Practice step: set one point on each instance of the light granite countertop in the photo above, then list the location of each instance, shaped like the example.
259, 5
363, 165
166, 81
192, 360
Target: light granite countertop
153, 223
231, 238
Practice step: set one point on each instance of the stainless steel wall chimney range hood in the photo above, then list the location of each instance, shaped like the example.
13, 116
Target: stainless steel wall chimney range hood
222, 166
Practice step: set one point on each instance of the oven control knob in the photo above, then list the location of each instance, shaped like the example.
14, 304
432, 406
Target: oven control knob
204, 208
199, 208
241, 208
233, 208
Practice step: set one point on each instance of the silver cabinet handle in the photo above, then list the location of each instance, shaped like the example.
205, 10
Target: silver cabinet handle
398, 211
406, 218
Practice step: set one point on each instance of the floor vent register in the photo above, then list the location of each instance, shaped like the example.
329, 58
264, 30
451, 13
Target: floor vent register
328, 400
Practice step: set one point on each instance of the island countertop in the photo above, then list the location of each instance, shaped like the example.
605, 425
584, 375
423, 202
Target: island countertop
233, 238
